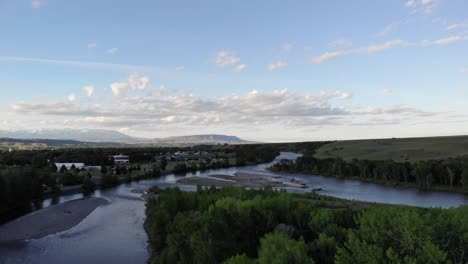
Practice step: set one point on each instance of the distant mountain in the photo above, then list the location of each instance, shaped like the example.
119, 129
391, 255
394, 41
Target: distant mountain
98, 137
33, 143
89, 135
200, 140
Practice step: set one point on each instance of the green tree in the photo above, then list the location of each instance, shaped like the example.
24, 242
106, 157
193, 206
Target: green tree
277, 248
239, 259
88, 185
163, 163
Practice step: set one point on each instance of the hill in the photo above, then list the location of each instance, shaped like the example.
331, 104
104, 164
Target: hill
397, 149
88, 138
201, 140
89, 135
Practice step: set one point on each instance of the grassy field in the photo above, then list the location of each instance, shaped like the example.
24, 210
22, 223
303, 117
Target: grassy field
398, 149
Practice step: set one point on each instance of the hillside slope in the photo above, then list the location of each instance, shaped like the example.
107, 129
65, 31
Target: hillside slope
400, 149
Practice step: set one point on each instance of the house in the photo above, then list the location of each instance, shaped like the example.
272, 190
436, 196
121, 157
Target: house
120, 159
68, 166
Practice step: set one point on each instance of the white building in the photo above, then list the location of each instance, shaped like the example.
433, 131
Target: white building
120, 159
68, 166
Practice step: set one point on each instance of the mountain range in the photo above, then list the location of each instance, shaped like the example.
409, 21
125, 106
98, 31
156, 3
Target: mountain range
110, 137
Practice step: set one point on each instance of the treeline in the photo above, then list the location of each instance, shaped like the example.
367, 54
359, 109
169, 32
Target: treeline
89, 156
249, 154
234, 225
21, 186
450, 173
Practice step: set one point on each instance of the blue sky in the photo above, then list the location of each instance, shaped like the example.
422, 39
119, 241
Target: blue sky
263, 70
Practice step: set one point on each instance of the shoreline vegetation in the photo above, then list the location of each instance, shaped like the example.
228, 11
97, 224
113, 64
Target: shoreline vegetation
447, 175
234, 225
50, 220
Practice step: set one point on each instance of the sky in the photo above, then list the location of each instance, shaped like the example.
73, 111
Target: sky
262, 70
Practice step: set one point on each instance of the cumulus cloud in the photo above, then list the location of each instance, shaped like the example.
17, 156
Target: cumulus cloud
141, 110
71, 97
89, 91
226, 58
277, 65
240, 67
92, 45
113, 51
134, 82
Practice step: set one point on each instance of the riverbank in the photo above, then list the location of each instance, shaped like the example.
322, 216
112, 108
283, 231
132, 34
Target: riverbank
49, 220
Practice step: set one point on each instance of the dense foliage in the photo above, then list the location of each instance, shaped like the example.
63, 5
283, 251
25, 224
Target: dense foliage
235, 225
450, 173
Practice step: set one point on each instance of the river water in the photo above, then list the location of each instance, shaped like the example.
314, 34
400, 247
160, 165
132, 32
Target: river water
114, 233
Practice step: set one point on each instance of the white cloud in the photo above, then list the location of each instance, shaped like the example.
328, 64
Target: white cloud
180, 68
384, 46
341, 43
85, 64
89, 90
71, 97
287, 48
388, 29
240, 67
36, 3
457, 26
113, 51
277, 65
425, 6
226, 58
282, 111
134, 82
386, 91
327, 56
447, 40
92, 45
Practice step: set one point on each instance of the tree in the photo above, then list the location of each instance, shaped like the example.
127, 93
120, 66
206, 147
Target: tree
88, 185
103, 169
464, 176
163, 163
277, 248
63, 169
239, 259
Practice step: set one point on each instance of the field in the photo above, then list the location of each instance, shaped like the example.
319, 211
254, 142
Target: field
397, 149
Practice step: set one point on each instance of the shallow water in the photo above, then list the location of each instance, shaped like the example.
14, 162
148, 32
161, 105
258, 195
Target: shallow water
114, 233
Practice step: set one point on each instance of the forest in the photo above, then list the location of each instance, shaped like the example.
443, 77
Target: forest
235, 225
449, 174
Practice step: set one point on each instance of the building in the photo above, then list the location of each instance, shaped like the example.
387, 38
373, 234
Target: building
68, 166
120, 159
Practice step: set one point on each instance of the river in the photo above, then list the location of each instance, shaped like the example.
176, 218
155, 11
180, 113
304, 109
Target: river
114, 233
